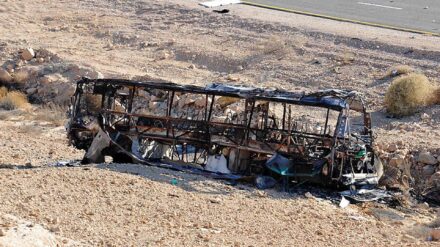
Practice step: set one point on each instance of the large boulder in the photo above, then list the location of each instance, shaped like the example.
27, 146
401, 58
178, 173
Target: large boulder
428, 170
427, 158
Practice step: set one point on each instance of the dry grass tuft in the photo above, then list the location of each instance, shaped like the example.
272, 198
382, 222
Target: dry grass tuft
273, 46
407, 93
348, 58
399, 70
14, 100
93, 102
436, 96
51, 113
3, 92
21, 76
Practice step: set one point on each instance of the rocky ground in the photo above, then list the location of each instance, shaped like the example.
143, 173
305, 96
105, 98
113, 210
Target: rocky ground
130, 205
181, 42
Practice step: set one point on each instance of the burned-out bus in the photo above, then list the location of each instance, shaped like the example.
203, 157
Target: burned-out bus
324, 136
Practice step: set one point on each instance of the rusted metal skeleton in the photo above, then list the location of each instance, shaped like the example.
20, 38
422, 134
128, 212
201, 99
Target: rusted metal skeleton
324, 137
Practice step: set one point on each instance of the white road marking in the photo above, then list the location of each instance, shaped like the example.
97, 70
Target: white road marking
378, 5
217, 3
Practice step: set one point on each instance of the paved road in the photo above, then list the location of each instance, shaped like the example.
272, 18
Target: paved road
421, 15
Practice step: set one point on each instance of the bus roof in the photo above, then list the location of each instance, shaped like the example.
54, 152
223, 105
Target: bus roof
333, 98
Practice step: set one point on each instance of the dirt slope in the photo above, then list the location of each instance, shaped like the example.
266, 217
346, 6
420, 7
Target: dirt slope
178, 41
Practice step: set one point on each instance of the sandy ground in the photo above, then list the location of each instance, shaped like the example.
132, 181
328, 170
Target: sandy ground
33, 142
182, 42
100, 206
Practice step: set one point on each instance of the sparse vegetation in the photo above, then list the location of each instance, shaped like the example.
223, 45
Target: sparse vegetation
272, 45
51, 113
3, 92
12, 100
20, 76
408, 93
436, 96
348, 58
93, 102
399, 70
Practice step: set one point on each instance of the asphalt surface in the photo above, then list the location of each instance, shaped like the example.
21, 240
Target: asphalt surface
423, 15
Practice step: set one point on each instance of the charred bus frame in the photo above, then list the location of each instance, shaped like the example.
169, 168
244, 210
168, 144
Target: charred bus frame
115, 129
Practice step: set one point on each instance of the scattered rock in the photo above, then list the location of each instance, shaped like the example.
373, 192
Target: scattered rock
260, 193
155, 105
408, 238
265, 182
309, 195
224, 101
435, 234
2, 233
27, 54
5, 76
426, 158
54, 229
424, 205
192, 66
49, 79
397, 161
31, 90
188, 101
201, 101
428, 170
173, 195
215, 200
163, 55
233, 78
425, 116
385, 214
392, 147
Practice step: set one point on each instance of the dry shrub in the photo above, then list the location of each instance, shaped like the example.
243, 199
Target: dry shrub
3, 92
51, 113
407, 93
93, 102
348, 58
399, 70
30, 129
436, 96
21, 76
14, 100
273, 45
16, 114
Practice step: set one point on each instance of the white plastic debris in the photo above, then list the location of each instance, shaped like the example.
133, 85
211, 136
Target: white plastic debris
344, 203
217, 163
